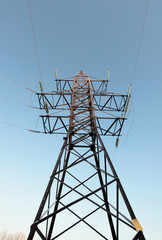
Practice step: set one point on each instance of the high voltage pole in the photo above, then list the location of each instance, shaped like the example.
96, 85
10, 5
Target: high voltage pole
84, 181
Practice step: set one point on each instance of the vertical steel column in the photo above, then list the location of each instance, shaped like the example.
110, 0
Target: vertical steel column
65, 163
119, 184
44, 199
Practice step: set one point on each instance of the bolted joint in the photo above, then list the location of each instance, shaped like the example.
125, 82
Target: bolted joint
92, 147
71, 146
91, 134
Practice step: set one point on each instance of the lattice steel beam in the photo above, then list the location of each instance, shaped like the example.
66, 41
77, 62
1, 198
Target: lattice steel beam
83, 174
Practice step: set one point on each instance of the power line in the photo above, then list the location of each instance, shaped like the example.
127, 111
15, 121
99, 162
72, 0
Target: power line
13, 125
140, 40
11, 79
130, 128
34, 39
114, 153
51, 26
136, 60
20, 127
82, 32
112, 34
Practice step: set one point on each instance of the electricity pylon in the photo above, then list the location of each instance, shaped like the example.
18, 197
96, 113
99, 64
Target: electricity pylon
84, 182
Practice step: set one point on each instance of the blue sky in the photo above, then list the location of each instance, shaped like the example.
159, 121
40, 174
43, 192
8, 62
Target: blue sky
73, 35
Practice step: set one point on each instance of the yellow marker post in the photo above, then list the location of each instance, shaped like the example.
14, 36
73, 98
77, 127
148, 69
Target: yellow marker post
137, 225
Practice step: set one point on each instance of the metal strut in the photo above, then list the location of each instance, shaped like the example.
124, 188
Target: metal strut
84, 180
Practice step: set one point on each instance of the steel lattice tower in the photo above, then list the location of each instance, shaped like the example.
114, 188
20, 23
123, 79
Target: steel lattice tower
84, 181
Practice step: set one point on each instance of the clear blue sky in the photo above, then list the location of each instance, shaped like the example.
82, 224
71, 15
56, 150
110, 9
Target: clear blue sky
73, 35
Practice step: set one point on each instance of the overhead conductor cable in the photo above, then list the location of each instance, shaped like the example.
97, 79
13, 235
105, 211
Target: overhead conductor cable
140, 39
34, 39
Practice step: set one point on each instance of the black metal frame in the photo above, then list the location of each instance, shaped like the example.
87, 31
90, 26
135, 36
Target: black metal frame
83, 146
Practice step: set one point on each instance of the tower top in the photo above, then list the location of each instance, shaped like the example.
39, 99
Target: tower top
108, 106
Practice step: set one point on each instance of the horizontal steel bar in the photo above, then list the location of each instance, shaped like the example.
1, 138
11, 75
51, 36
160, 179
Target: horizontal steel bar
92, 117
94, 80
70, 93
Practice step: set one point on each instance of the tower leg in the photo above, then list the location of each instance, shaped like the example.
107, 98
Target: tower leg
139, 236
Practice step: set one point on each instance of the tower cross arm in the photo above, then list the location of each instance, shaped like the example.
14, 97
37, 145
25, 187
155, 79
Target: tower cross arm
102, 101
